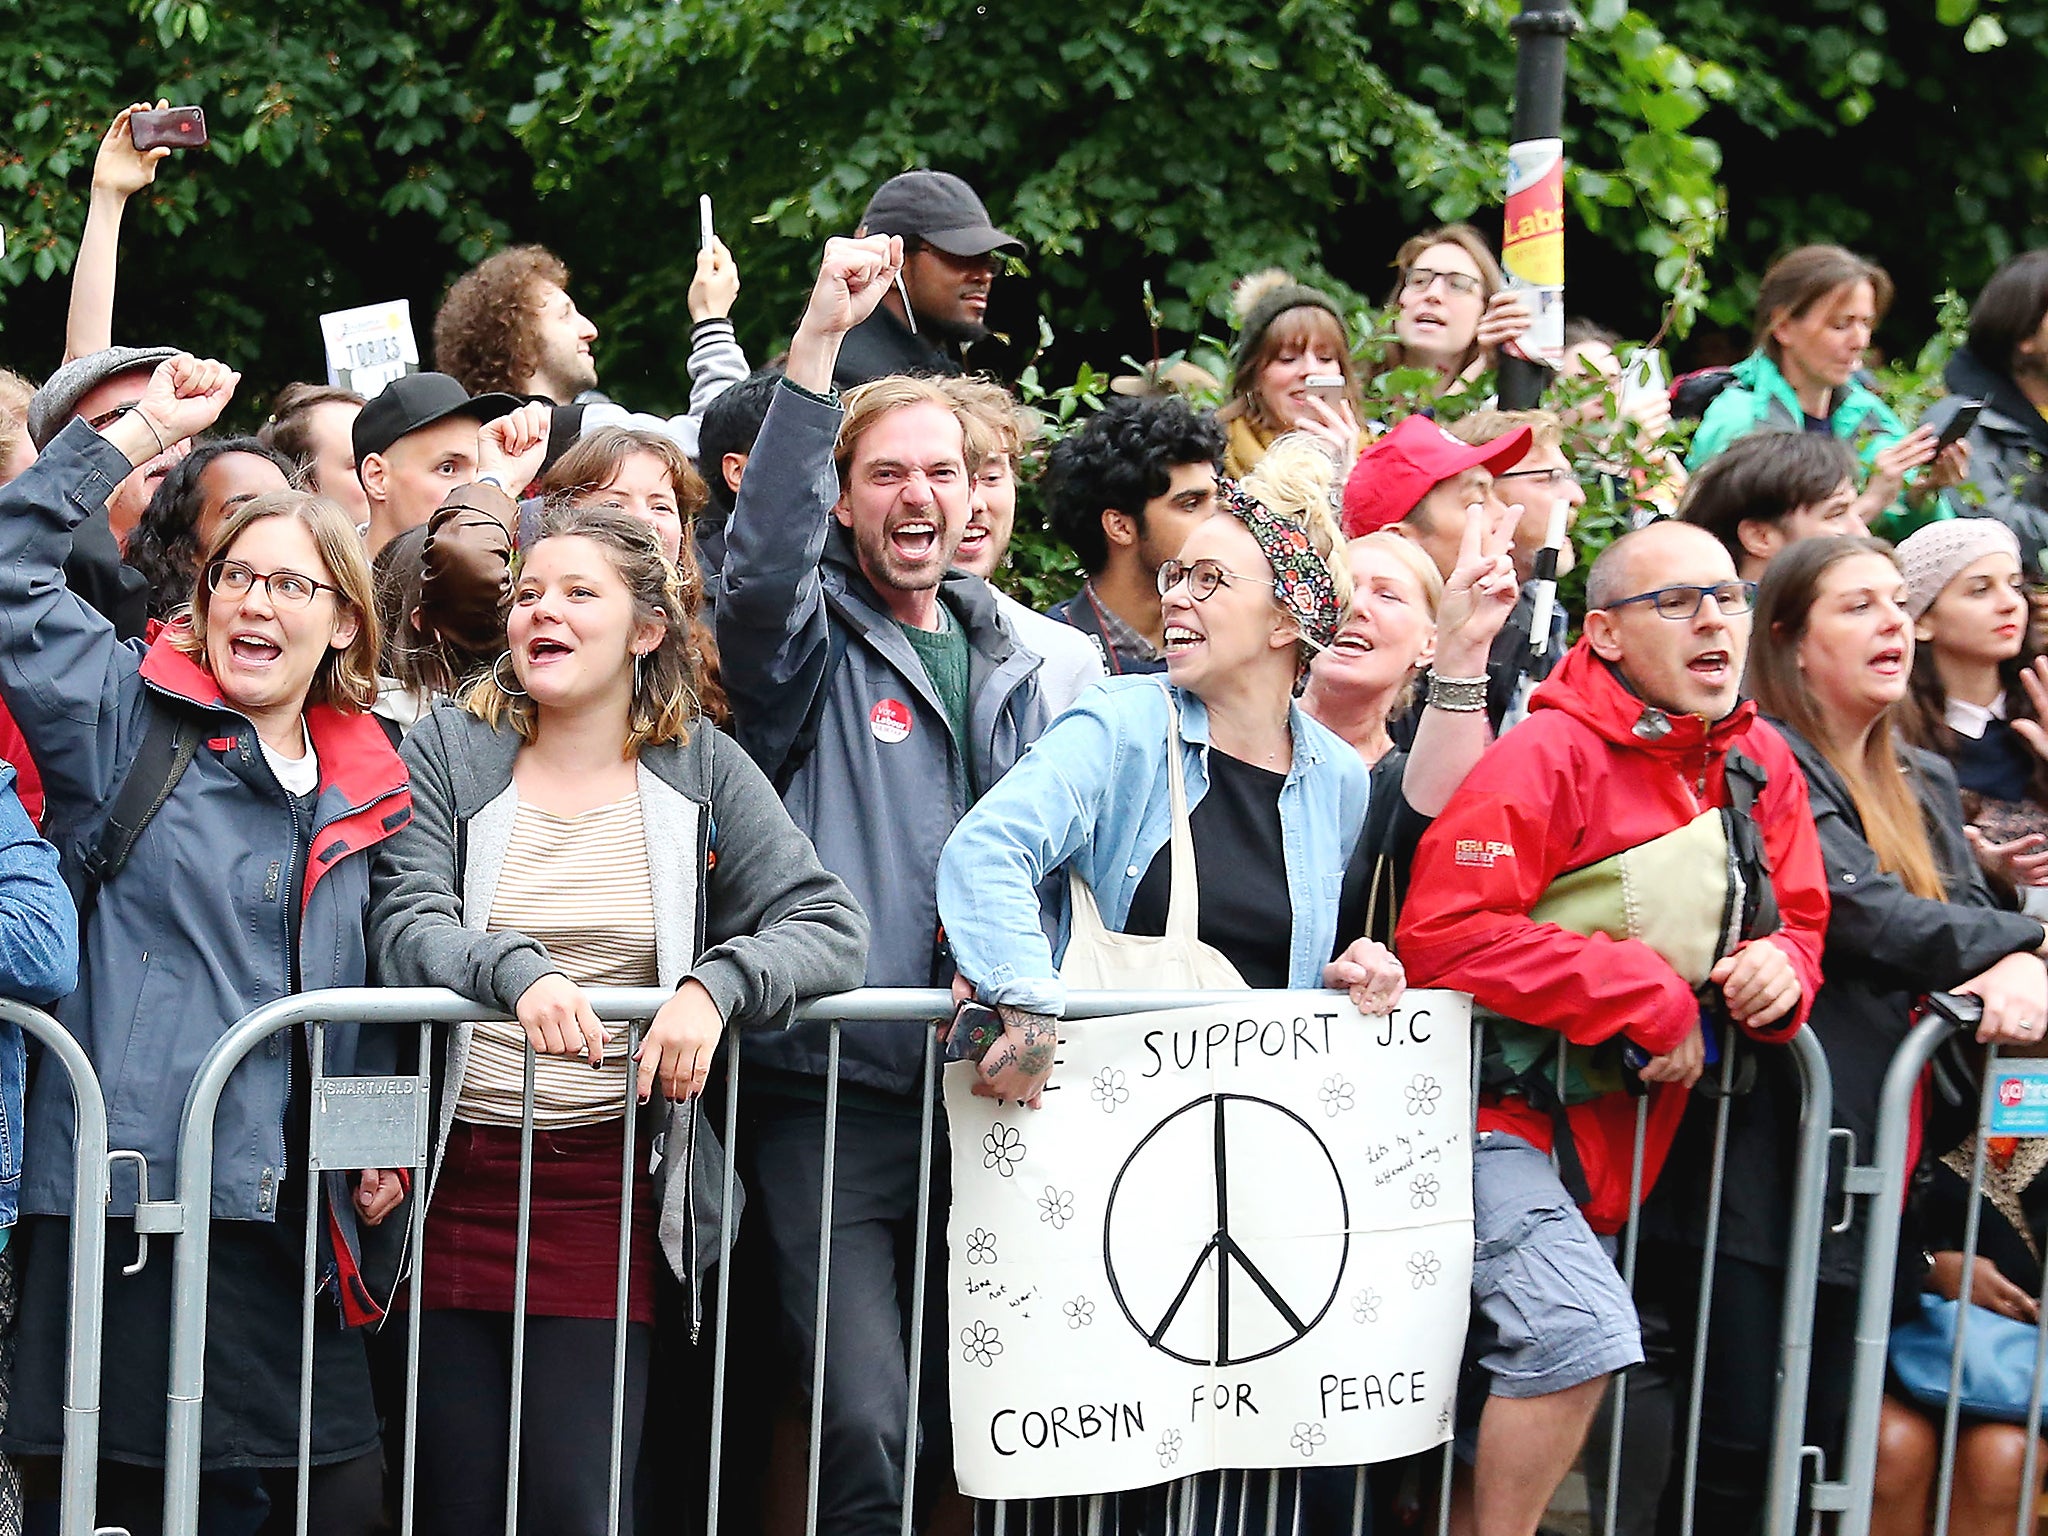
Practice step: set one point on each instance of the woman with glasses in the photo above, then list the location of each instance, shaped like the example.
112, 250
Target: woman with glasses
1274, 800
1451, 307
264, 787
1831, 651
1815, 310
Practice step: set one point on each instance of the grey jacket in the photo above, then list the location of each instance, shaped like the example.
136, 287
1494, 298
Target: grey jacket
804, 640
2008, 451
741, 905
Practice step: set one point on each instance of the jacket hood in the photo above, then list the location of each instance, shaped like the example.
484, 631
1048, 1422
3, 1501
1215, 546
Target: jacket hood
1592, 692
356, 757
1968, 374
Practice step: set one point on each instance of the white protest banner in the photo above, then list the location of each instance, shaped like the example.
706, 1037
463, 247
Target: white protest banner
369, 347
1238, 1235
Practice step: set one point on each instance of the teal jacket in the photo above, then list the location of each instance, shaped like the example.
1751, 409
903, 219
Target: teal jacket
1761, 398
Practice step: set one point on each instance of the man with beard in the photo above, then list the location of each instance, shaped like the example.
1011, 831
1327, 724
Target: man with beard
1125, 492
882, 694
949, 265
509, 326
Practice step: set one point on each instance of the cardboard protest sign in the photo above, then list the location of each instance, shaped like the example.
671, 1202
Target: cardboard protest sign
1235, 1236
369, 347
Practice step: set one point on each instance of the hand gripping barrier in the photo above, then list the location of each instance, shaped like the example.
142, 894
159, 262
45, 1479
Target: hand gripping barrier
1214, 1504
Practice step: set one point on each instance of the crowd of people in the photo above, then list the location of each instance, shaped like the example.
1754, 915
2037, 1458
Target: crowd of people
491, 683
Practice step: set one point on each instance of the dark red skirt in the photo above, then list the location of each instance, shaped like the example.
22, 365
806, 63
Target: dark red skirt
573, 1256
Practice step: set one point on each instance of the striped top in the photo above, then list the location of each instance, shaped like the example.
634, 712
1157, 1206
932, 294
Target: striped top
581, 886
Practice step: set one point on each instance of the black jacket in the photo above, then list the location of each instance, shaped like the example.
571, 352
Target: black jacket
881, 345
1886, 948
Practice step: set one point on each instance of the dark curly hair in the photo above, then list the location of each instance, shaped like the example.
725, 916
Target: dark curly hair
485, 334
165, 544
1123, 458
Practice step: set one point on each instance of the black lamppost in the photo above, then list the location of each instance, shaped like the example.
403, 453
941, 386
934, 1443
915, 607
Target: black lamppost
1542, 31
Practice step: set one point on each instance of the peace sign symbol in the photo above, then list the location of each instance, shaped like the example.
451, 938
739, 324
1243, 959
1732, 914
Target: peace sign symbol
1227, 1231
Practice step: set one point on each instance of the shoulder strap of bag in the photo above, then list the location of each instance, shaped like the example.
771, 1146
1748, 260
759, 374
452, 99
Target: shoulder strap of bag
805, 742
166, 751
1184, 896
1746, 781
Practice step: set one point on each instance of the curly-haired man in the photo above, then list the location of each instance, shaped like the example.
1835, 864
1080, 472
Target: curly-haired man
1125, 491
509, 326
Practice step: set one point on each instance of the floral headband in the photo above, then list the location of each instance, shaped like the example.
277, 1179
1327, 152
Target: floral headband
1300, 578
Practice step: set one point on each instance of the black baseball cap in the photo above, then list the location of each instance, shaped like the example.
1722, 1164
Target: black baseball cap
419, 400
939, 209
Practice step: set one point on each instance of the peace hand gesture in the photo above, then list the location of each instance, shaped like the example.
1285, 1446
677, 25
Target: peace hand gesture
1480, 594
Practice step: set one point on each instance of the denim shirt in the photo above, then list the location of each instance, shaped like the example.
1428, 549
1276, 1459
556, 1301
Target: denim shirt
1093, 794
38, 963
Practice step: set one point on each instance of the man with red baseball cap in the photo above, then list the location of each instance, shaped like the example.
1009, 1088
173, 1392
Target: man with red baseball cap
1417, 482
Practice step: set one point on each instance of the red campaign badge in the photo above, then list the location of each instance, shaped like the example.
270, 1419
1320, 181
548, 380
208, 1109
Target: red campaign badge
890, 720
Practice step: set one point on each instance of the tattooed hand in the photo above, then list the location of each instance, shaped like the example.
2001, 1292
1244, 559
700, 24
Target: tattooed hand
1018, 1064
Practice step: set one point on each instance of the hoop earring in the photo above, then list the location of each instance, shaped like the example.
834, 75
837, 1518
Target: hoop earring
508, 689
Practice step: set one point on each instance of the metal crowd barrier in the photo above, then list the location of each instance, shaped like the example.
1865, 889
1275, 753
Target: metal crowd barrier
1881, 1185
79, 1473
1212, 1505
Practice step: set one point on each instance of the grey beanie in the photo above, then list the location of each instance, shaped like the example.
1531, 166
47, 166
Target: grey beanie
57, 401
1935, 555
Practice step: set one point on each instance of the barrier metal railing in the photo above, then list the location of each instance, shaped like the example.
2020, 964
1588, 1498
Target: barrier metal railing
393, 1132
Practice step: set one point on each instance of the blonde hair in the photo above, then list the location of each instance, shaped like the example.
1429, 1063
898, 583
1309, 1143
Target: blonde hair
667, 681
346, 678
15, 395
1298, 479
1011, 428
1479, 427
869, 403
1413, 560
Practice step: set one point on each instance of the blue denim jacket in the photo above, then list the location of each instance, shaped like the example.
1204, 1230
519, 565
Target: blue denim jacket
38, 962
1093, 793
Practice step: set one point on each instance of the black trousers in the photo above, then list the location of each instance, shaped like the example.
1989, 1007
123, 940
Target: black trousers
343, 1499
1738, 1396
873, 1294
465, 1424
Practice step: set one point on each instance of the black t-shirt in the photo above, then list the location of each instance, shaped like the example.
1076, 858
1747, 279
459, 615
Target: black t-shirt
1241, 865
1382, 859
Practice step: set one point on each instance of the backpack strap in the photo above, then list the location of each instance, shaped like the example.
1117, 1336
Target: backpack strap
1746, 782
168, 745
805, 742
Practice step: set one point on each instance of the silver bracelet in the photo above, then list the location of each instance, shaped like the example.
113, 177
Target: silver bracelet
1459, 695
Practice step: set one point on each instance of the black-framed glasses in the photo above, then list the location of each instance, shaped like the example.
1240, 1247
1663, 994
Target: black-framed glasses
1556, 479
1202, 576
1418, 279
1680, 604
287, 589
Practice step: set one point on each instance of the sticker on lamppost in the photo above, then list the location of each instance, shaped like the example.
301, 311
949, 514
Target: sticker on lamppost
1238, 1235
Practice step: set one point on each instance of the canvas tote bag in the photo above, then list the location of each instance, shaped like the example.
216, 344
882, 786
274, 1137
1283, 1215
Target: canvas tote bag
1175, 961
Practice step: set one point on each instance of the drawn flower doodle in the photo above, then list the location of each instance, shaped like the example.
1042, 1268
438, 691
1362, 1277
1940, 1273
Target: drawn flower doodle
1423, 1094
1307, 1438
1080, 1312
982, 1344
1423, 1268
1336, 1095
1365, 1306
1002, 1149
1168, 1448
981, 1246
1423, 1191
1056, 1206
1108, 1090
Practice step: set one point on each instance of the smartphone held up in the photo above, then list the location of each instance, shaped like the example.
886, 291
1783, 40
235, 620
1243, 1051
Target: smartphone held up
168, 128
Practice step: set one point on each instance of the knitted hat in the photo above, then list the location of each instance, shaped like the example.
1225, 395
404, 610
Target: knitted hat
1263, 298
1937, 554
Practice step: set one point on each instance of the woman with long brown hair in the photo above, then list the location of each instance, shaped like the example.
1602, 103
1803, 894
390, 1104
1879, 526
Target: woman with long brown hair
577, 768
1831, 651
1451, 307
1815, 310
1291, 340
